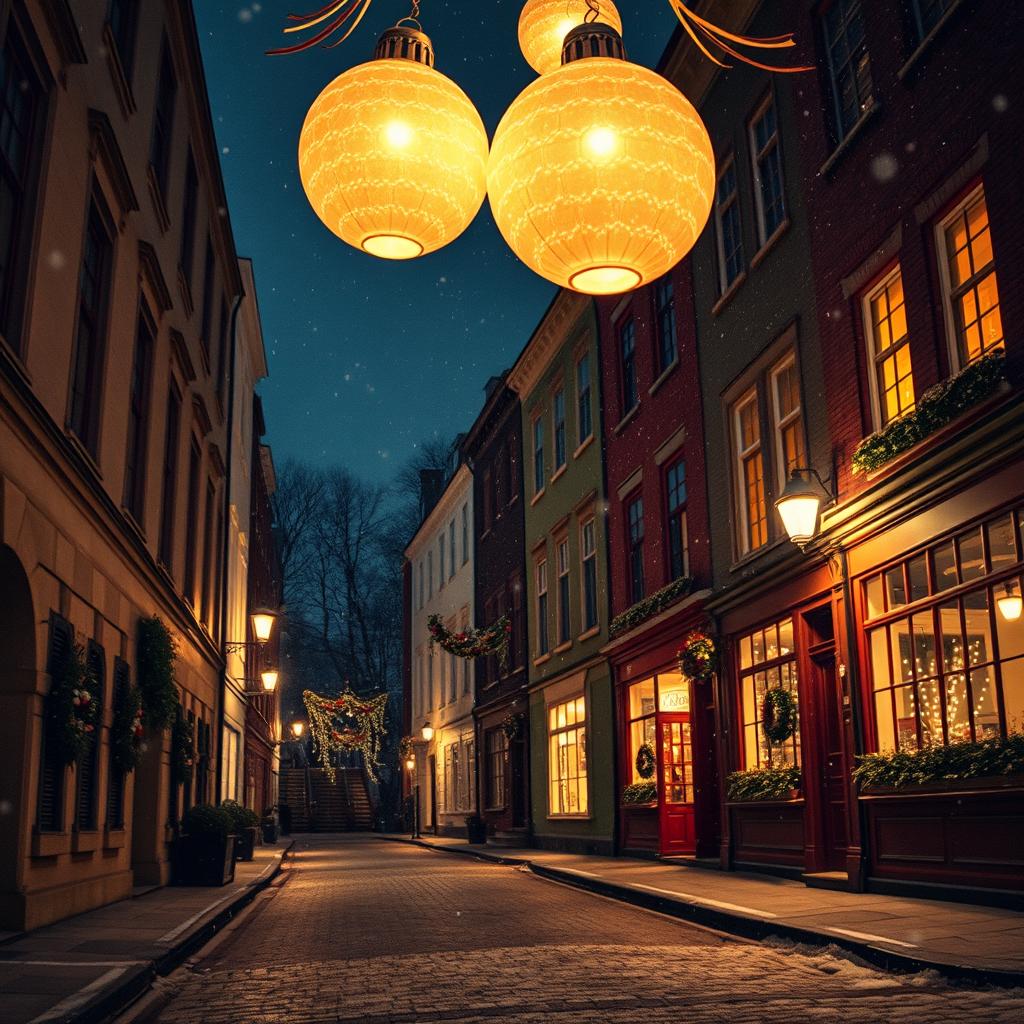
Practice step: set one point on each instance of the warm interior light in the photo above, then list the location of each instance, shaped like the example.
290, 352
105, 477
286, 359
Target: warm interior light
297, 729
427, 732
544, 24
410, 763
262, 624
798, 505
269, 678
1010, 603
392, 247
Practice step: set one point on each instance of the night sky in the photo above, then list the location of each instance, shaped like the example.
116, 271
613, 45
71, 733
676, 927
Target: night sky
368, 357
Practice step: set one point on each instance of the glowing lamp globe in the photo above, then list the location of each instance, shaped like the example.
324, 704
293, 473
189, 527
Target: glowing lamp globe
798, 506
393, 155
601, 173
544, 24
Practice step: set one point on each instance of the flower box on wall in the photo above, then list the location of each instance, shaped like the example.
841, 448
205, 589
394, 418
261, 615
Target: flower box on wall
945, 787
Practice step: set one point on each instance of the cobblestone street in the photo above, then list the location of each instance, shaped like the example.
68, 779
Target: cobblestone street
367, 931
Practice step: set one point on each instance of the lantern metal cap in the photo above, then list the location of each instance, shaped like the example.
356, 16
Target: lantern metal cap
593, 40
405, 42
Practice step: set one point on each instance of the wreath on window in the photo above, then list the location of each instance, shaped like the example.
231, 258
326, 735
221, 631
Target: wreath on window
698, 657
72, 708
645, 763
126, 730
779, 715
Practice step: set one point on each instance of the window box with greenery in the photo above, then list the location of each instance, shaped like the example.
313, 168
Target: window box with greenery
244, 824
205, 852
764, 784
650, 606
938, 407
986, 764
640, 794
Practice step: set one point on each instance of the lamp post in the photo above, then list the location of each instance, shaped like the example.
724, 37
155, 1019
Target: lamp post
410, 763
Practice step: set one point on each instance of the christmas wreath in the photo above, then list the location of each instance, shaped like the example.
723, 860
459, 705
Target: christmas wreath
71, 708
473, 643
645, 763
698, 657
512, 725
346, 723
126, 729
183, 754
778, 715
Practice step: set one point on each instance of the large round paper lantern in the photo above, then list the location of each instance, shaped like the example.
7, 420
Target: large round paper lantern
544, 24
393, 155
601, 173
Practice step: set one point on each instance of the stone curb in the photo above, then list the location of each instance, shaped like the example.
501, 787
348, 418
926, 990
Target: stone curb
120, 994
742, 925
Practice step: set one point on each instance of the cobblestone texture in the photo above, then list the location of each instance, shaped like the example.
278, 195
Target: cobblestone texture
365, 932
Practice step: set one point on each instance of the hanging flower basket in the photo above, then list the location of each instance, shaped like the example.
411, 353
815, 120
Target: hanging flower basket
778, 715
645, 762
346, 723
473, 643
126, 732
698, 657
71, 708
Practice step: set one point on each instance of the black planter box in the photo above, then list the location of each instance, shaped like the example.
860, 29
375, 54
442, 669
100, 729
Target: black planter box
269, 833
476, 831
245, 843
204, 860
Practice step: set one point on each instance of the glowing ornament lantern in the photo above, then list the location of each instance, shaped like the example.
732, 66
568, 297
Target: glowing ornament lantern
601, 173
544, 24
393, 155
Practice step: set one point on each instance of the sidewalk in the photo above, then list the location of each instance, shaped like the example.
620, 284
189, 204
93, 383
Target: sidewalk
87, 967
966, 941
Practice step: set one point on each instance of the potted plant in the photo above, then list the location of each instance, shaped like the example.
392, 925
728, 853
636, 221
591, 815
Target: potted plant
244, 824
268, 823
476, 829
205, 853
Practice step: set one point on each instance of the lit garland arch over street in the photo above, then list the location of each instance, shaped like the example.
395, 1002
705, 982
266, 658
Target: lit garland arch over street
346, 723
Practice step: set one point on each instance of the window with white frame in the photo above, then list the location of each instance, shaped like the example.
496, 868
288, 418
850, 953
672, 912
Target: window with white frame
440, 560
564, 633
558, 427
430, 678
584, 417
848, 63
538, 455
766, 156
588, 558
465, 534
889, 357
542, 606
430, 574
421, 583
496, 743
728, 229
787, 419
567, 758
749, 467
969, 280
451, 549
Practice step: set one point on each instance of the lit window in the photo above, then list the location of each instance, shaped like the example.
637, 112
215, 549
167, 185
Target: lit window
588, 545
542, 606
767, 662
972, 297
885, 320
767, 159
849, 64
728, 232
753, 508
538, 455
497, 754
567, 757
664, 302
627, 365
642, 724
563, 591
678, 538
635, 538
585, 426
787, 418
558, 423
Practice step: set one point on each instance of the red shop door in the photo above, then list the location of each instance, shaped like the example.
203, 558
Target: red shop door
675, 760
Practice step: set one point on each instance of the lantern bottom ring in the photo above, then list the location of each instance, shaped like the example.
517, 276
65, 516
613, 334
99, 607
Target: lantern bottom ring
605, 280
392, 247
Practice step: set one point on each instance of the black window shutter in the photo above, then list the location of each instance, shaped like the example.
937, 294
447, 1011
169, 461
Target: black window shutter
87, 777
115, 777
51, 768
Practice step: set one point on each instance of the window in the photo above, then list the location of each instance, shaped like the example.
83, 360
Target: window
849, 65
440, 561
585, 423
927, 14
430, 574
542, 606
969, 280
420, 585
87, 768
567, 758
767, 159
948, 668
208, 554
642, 723
538, 455
564, 634
558, 426
430, 678
627, 365
121, 680
465, 534
767, 662
892, 378
516, 640
497, 756
635, 540
188, 221
222, 348
93, 298
488, 500
206, 330
192, 527
123, 17
665, 310
20, 118
138, 416
678, 537
752, 501
728, 231
172, 437
453, 678
163, 120
588, 557
451, 549
787, 420
458, 775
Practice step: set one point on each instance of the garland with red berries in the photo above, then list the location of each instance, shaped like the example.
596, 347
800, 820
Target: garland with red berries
698, 657
71, 708
473, 643
345, 723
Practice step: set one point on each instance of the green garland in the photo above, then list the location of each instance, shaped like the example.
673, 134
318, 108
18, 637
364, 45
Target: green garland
645, 762
183, 754
778, 715
126, 729
763, 784
512, 725
640, 793
938, 406
473, 643
649, 606
406, 749
157, 653
345, 723
953, 763
71, 708
698, 656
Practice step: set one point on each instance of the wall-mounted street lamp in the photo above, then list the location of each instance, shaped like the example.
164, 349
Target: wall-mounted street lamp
1010, 602
410, 763
262, 620
800, 503
298, 728
427, 732
269, 680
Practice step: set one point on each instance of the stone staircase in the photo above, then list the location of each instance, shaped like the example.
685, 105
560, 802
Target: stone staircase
341, 806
